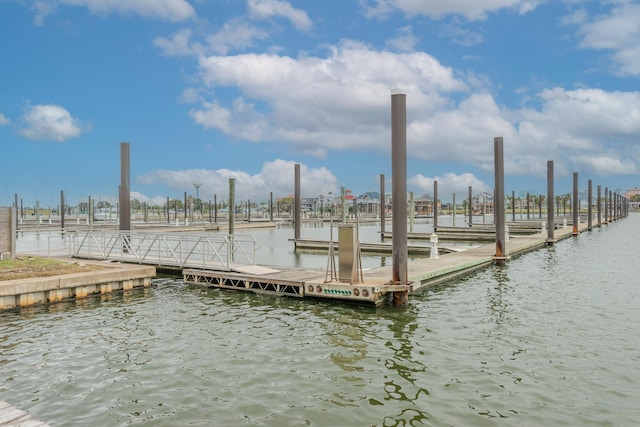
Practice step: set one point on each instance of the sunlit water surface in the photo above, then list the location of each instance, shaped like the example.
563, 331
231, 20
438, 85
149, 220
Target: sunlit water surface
550, 339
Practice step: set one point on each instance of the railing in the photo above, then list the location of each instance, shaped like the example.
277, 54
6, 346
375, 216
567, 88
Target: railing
214, 250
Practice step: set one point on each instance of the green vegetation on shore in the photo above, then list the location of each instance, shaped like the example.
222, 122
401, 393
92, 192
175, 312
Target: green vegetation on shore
28, 267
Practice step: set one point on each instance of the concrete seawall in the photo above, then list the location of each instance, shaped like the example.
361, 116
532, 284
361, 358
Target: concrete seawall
25, 292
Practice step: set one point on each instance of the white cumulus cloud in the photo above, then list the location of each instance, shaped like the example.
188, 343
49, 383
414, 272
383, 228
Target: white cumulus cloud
50, 122
448, 184
166, 10
263, 9
3, 120
337, 102
470, 9
341, 102
618, 32
276, 176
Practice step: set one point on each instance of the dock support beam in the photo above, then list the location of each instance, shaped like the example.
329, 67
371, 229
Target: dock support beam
125, 198
498, 204
296, 202
399, 194
550, 211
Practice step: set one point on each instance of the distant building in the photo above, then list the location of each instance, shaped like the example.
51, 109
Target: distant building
368, 203
633, 192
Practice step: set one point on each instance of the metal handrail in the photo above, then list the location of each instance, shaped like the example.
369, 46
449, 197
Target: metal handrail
194, 250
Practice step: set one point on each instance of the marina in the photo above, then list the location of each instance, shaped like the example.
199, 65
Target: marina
222, 261
273, 213
541, 341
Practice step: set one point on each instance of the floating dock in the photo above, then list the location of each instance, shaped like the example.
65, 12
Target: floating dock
369, 287
375, 288
365, 247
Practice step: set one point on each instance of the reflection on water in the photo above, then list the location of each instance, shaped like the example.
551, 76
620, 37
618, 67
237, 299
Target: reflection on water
497, 295
275, 247
549, 339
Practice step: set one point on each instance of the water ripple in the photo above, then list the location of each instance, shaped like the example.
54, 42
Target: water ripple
549, 339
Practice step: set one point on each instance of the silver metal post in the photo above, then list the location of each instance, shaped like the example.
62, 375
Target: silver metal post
498, 203
550, 211
297, 202
576, 206
399, 193
125, 190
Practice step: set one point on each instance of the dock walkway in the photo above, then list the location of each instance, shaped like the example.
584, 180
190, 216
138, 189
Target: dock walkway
375, 286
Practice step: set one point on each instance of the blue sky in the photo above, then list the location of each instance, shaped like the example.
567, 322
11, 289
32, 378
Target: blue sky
204, 90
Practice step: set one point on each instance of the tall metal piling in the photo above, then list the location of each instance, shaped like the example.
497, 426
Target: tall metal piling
606, 205
550, 211
296, 202
399, 194
185, 208
498, 203
232, 203
435, 205
576, 205
453, 202
62, 209
343, 205
610, 206
589, 207
470, 206
125, 190
599, 207
383, 207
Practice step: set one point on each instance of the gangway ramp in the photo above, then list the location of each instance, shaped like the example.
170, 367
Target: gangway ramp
213, 251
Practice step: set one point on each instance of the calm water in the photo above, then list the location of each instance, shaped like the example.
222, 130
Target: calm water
275, 247
550, 339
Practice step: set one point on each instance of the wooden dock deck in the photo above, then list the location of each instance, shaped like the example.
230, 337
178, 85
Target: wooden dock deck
14, 417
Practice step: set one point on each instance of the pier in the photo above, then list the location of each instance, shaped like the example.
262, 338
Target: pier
228, 262
224, 261
375, 287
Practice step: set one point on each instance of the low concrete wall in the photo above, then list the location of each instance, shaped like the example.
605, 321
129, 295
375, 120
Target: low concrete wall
24, 292
7, 233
